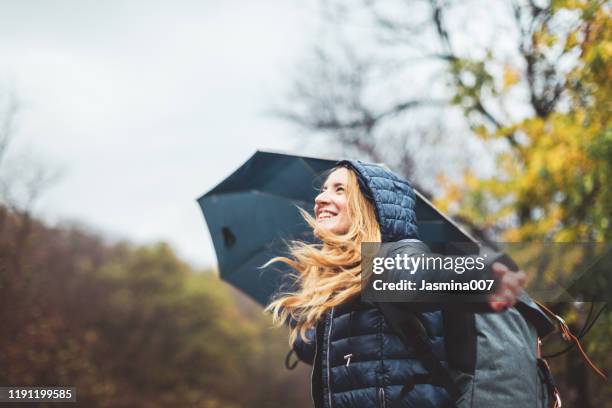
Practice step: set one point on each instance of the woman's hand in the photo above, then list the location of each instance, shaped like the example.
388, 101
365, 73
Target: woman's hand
509, 283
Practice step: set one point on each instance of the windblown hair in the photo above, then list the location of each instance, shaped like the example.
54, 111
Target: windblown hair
329, 272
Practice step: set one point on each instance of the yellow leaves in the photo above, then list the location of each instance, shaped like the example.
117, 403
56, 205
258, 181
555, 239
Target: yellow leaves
569, 4
470, 180
606, 49
588, 183
572, 234
595, 68
449, 200
553, 162
544, 38
571, 41
541, 227
482, 132
511, 77
552, 183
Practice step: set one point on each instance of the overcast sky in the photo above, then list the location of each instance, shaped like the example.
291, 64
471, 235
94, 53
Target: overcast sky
146, 105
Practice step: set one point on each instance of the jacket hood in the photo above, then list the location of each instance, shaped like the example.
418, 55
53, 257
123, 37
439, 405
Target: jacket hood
393, 197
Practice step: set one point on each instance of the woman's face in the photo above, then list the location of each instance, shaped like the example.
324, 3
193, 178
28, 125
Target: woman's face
331, 207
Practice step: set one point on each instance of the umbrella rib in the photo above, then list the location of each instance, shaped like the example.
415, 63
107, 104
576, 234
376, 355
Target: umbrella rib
266, 193
312, 171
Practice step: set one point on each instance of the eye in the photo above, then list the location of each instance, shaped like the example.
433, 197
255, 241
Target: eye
340, 188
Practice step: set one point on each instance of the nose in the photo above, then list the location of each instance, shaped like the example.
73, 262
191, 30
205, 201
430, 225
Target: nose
322, 199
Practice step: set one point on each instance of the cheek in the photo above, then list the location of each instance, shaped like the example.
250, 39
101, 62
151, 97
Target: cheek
345, 218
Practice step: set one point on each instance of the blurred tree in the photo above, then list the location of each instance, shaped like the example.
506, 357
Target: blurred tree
133, 326
551, 182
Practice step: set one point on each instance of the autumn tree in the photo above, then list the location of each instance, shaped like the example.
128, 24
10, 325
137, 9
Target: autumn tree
134, 326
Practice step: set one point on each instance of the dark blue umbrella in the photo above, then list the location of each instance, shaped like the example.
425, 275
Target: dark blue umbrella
252, 213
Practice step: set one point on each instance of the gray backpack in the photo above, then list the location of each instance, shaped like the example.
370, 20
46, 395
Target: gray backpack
494, 358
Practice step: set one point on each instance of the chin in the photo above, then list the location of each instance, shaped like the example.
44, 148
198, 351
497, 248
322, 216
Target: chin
325, 226
332, 228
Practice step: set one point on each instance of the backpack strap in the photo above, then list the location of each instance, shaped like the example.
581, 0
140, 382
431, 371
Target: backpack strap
413, 334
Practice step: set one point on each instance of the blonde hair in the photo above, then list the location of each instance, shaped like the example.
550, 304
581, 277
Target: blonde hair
328, 273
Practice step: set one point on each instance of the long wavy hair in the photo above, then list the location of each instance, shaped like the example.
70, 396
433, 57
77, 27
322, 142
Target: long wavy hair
327, 273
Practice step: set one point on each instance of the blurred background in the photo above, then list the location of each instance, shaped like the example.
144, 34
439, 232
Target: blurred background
115, 116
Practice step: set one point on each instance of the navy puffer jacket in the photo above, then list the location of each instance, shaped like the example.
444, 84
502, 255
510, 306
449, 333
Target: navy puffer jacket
380, 363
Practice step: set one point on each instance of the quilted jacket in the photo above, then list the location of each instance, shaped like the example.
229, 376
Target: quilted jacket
358, 360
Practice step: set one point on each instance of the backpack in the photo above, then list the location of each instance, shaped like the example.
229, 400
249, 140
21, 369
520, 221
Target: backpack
493, 358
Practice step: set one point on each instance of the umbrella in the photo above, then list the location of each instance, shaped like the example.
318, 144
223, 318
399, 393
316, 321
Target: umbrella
252, 213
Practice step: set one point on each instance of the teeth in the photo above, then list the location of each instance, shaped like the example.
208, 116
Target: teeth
323, 215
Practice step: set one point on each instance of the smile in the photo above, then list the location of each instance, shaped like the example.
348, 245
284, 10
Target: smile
325, 215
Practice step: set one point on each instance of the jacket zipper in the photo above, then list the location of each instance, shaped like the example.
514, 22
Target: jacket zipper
314, 363
331, 323
381, 397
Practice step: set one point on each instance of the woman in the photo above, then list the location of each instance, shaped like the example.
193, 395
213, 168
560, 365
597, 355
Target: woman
358, 360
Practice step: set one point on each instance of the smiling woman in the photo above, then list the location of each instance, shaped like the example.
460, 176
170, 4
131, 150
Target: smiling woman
351, 363
358, 359
331, 205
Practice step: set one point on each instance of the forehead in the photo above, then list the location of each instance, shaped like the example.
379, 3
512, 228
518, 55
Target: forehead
338, 176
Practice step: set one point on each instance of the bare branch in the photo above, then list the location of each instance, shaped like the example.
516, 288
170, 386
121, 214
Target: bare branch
7, 122
544, 82
451, 56
23, 178
366, 121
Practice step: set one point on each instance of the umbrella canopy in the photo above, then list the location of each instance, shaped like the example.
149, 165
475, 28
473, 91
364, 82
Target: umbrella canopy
252, 213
